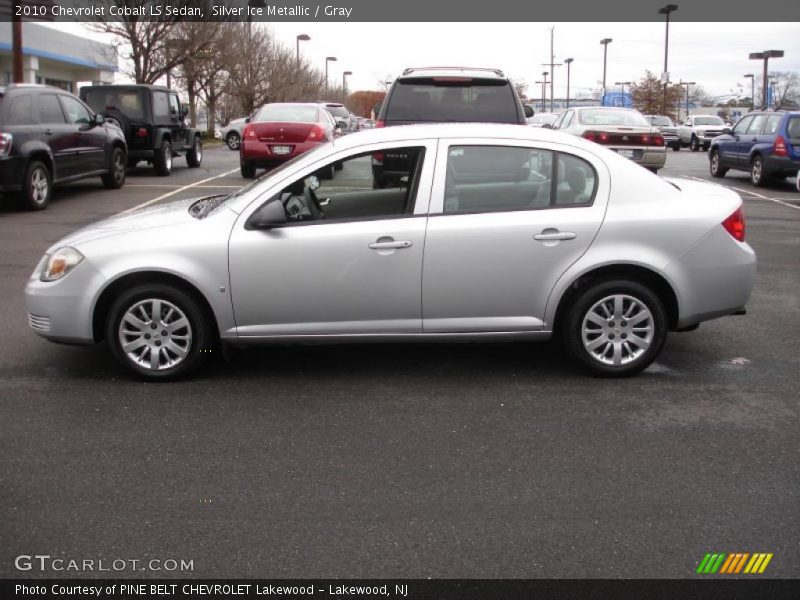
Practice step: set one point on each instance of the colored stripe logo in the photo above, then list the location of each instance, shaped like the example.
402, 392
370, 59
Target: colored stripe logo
734, 563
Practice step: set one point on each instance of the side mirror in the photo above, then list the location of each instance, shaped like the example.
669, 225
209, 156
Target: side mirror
99, 119
247, 120
184, 110
528, 111
726, 131
272, 214
341, 125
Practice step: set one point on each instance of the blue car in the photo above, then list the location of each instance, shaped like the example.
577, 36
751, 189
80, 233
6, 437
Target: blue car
764, 143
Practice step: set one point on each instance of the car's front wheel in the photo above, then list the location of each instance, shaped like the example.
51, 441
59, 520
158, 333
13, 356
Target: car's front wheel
195, 155
117, 170
159, 332
233, 140
757, 177
615, 328
715, 168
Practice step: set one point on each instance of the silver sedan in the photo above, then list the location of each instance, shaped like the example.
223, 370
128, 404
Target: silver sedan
487, 232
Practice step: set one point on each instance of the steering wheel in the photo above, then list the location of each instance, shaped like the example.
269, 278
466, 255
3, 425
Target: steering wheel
314, 207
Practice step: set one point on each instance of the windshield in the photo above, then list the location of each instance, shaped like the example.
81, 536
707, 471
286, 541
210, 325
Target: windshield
129, 102
708, 121
460, 99
661, 121
606, 116
287, 113
337, 111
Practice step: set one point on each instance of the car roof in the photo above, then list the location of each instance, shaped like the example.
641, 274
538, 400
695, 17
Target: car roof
119, 86
476, 72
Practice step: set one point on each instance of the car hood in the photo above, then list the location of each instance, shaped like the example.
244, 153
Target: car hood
163, 215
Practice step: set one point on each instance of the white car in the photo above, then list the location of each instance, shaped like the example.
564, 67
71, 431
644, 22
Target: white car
231, 134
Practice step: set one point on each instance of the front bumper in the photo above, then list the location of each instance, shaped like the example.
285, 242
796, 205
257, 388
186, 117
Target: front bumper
261, 154
61, 311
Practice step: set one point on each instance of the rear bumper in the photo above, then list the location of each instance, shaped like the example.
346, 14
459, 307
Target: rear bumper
11, 173
260, 153
140, 153
646, 156
780, 166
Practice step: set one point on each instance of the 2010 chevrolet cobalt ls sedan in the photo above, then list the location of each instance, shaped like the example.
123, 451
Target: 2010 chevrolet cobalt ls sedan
494, 232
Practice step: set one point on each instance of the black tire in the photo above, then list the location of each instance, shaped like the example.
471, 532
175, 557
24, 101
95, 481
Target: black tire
37, 186
162, 161
326, 172
248, 170
132, 162
339, 165
694, 145
757, 176
233, 140
203, 337
714, 166
117, 170
195, 154
676, 147
571, 328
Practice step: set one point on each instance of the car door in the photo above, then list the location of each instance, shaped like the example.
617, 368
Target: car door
357, 271
750, 138
90, 139
58, 134
495, 248
730, 150
179, 131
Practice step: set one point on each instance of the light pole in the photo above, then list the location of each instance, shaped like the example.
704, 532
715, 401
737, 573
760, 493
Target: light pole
687, 84
765, 56
544, 90
328, 59
344, 81
752, 78
568, 62
773, 86
541, 84
605, 42
301, 38
666, 10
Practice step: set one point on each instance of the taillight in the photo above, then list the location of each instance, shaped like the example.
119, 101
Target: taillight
657, 140
5, 144
735, 224
316, 133
377, 158
141, 132
589, 135
380, 124
779, 149
249, 132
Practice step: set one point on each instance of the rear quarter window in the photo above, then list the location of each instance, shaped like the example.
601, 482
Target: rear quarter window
20, 110
793, 127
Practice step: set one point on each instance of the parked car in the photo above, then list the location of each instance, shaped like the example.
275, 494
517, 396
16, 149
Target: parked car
623, 130
341, 116
152, 119
279, 132
764, 143
541, 119
444, 94
698, 131
48, 137
581, 244
667, 128
232, 133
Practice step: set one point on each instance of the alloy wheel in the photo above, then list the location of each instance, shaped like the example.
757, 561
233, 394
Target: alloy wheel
617, 330
155, 334
39, 186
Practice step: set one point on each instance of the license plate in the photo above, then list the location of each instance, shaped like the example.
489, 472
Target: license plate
281, 149
625, 153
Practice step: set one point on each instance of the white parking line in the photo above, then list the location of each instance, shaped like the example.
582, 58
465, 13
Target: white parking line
752, 193
180, 189
167, 185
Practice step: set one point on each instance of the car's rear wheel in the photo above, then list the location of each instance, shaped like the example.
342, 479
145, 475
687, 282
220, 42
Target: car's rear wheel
248, 170
162, 161
159, 332
676, 146
615, 328
757, 177
117, 170
339, 165
37, 186
195, 155
714, 165
233, 140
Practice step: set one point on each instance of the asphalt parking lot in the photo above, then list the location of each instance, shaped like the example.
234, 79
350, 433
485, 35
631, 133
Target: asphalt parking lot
450, 460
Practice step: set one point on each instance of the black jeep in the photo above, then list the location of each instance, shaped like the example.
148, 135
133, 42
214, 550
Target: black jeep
151, 117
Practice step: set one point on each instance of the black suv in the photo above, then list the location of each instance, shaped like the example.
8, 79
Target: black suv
444, 95
47, 137
151, 117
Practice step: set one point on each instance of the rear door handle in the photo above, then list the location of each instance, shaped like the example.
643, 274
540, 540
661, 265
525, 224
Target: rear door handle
390, 245
556, 235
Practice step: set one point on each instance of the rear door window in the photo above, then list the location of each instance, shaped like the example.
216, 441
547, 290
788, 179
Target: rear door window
772, 124
49, 109
756, 125
160, 107
460, 99
793, 128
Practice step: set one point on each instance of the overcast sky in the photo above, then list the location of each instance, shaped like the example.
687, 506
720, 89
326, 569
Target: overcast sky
713, 54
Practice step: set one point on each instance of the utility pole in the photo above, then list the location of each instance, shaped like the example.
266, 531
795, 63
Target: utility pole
687, 84
16, 34
666, 10
569, 63
552, 64
605, 42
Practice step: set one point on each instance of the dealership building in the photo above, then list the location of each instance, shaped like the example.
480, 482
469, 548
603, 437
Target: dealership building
57, 58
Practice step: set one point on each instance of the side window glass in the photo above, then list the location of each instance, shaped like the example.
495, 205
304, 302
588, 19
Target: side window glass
20, 110
76, 112
174, 106
49, 109
755, 125
742, 125
367, 186
497, 178
160, 107
577, 181
772, 124
568, 119
557, 123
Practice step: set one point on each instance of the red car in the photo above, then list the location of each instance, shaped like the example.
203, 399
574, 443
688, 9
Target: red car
280, 131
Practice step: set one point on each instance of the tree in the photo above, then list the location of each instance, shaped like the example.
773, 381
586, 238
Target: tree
648, 96
361, 102
200, 45
785, 89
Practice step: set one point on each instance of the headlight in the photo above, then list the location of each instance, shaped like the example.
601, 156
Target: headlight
61, 262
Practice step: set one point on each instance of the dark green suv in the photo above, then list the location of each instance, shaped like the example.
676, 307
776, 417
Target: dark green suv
152, 119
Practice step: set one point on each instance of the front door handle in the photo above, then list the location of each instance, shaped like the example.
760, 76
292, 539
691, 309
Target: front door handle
551, 236
390, 245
